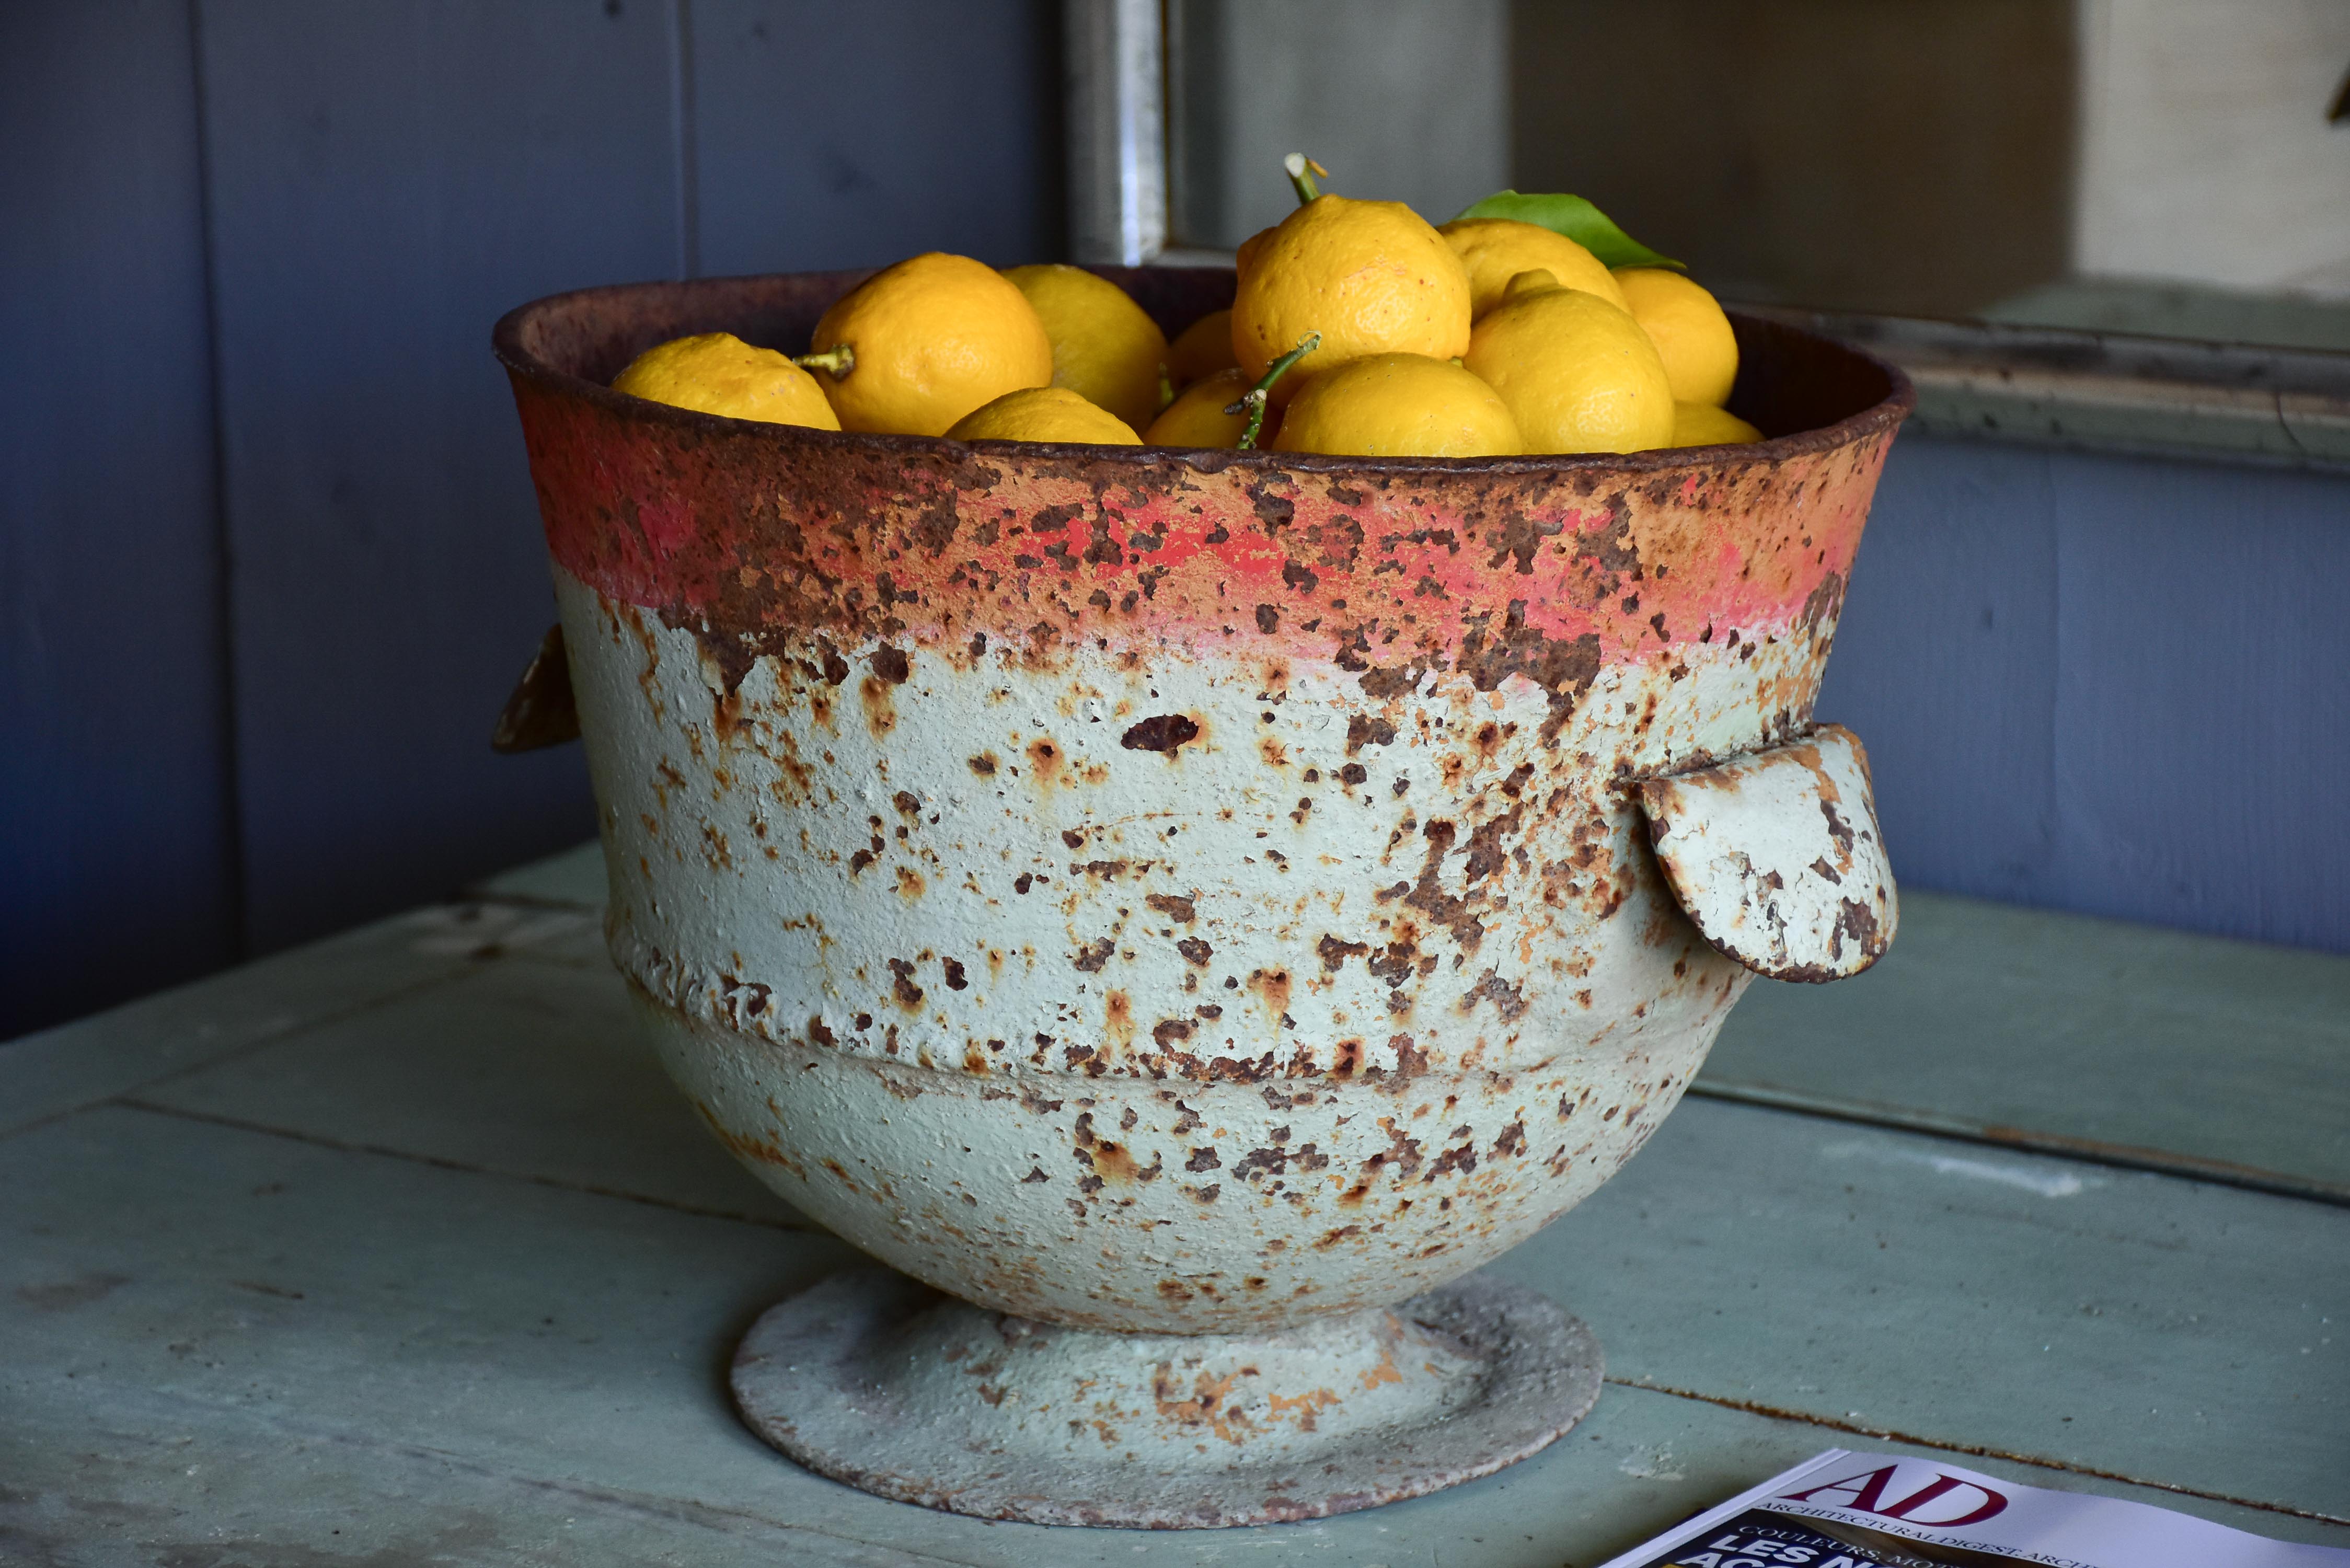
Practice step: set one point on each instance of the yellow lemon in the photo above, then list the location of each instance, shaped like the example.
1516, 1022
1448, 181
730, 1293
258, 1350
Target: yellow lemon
1104, 347
1700, 350
718, 373
1496, 250
1398, 405
1044, 413
1197, 417
1370, 276
1243, 256
1532, 282
1702, 424
1202, 348
1577, 373
935, 336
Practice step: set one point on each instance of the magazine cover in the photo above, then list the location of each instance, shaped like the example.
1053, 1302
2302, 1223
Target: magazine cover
1847, 1509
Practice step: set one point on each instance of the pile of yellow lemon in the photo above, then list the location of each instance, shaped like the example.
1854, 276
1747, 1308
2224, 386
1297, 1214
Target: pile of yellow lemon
1357, 330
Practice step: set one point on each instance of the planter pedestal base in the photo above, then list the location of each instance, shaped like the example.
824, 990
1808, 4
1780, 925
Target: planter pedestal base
877, 1381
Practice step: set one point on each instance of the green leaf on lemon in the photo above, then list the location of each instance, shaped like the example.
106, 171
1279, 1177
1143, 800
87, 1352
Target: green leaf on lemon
1578, 220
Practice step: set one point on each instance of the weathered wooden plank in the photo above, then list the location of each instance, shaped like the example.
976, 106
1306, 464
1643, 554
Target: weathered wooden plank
834, 136
248, 1342
573, 876
507, 1068
117, 871
2112, 1320
1902, 1283
387, 180
95, 1059
2027, 1026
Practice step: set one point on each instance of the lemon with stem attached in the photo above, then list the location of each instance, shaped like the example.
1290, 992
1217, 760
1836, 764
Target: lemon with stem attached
1198, 416
718, 373
1371, 277
929, 340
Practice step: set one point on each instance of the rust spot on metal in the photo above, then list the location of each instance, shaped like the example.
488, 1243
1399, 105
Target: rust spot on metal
1508, 1000
881, 709
1175, 908
1272, 987
1335, 953
1161, 732
1368, 730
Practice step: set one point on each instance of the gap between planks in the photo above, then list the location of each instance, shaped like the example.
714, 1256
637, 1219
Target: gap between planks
2027, 1140
1972, 1450
465, 1167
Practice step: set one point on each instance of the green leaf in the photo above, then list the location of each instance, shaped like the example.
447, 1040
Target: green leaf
1578, 220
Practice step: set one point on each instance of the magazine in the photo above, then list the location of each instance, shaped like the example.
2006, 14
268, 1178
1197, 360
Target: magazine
1847, 1509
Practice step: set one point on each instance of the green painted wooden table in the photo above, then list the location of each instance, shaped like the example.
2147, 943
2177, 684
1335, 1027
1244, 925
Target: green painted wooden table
400, 1249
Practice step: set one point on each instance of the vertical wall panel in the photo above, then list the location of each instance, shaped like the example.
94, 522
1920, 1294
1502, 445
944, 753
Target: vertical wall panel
116, 868
1402, 100
388, 178
2107, 684
840, 136
2203, 709
1944, 665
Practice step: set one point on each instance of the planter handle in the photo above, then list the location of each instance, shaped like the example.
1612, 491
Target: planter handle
541, 710
1777, 857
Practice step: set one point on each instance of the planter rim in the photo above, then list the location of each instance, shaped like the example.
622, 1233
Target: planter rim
507, 341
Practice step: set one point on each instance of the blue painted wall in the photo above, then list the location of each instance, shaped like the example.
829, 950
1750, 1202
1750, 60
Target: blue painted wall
118, 870
268, 551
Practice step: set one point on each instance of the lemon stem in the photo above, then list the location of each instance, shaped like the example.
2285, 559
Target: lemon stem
1165, 389
1252, 401
1302, 171
839, 361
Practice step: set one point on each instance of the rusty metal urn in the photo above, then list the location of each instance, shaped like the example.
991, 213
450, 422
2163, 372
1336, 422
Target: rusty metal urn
1189, 909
